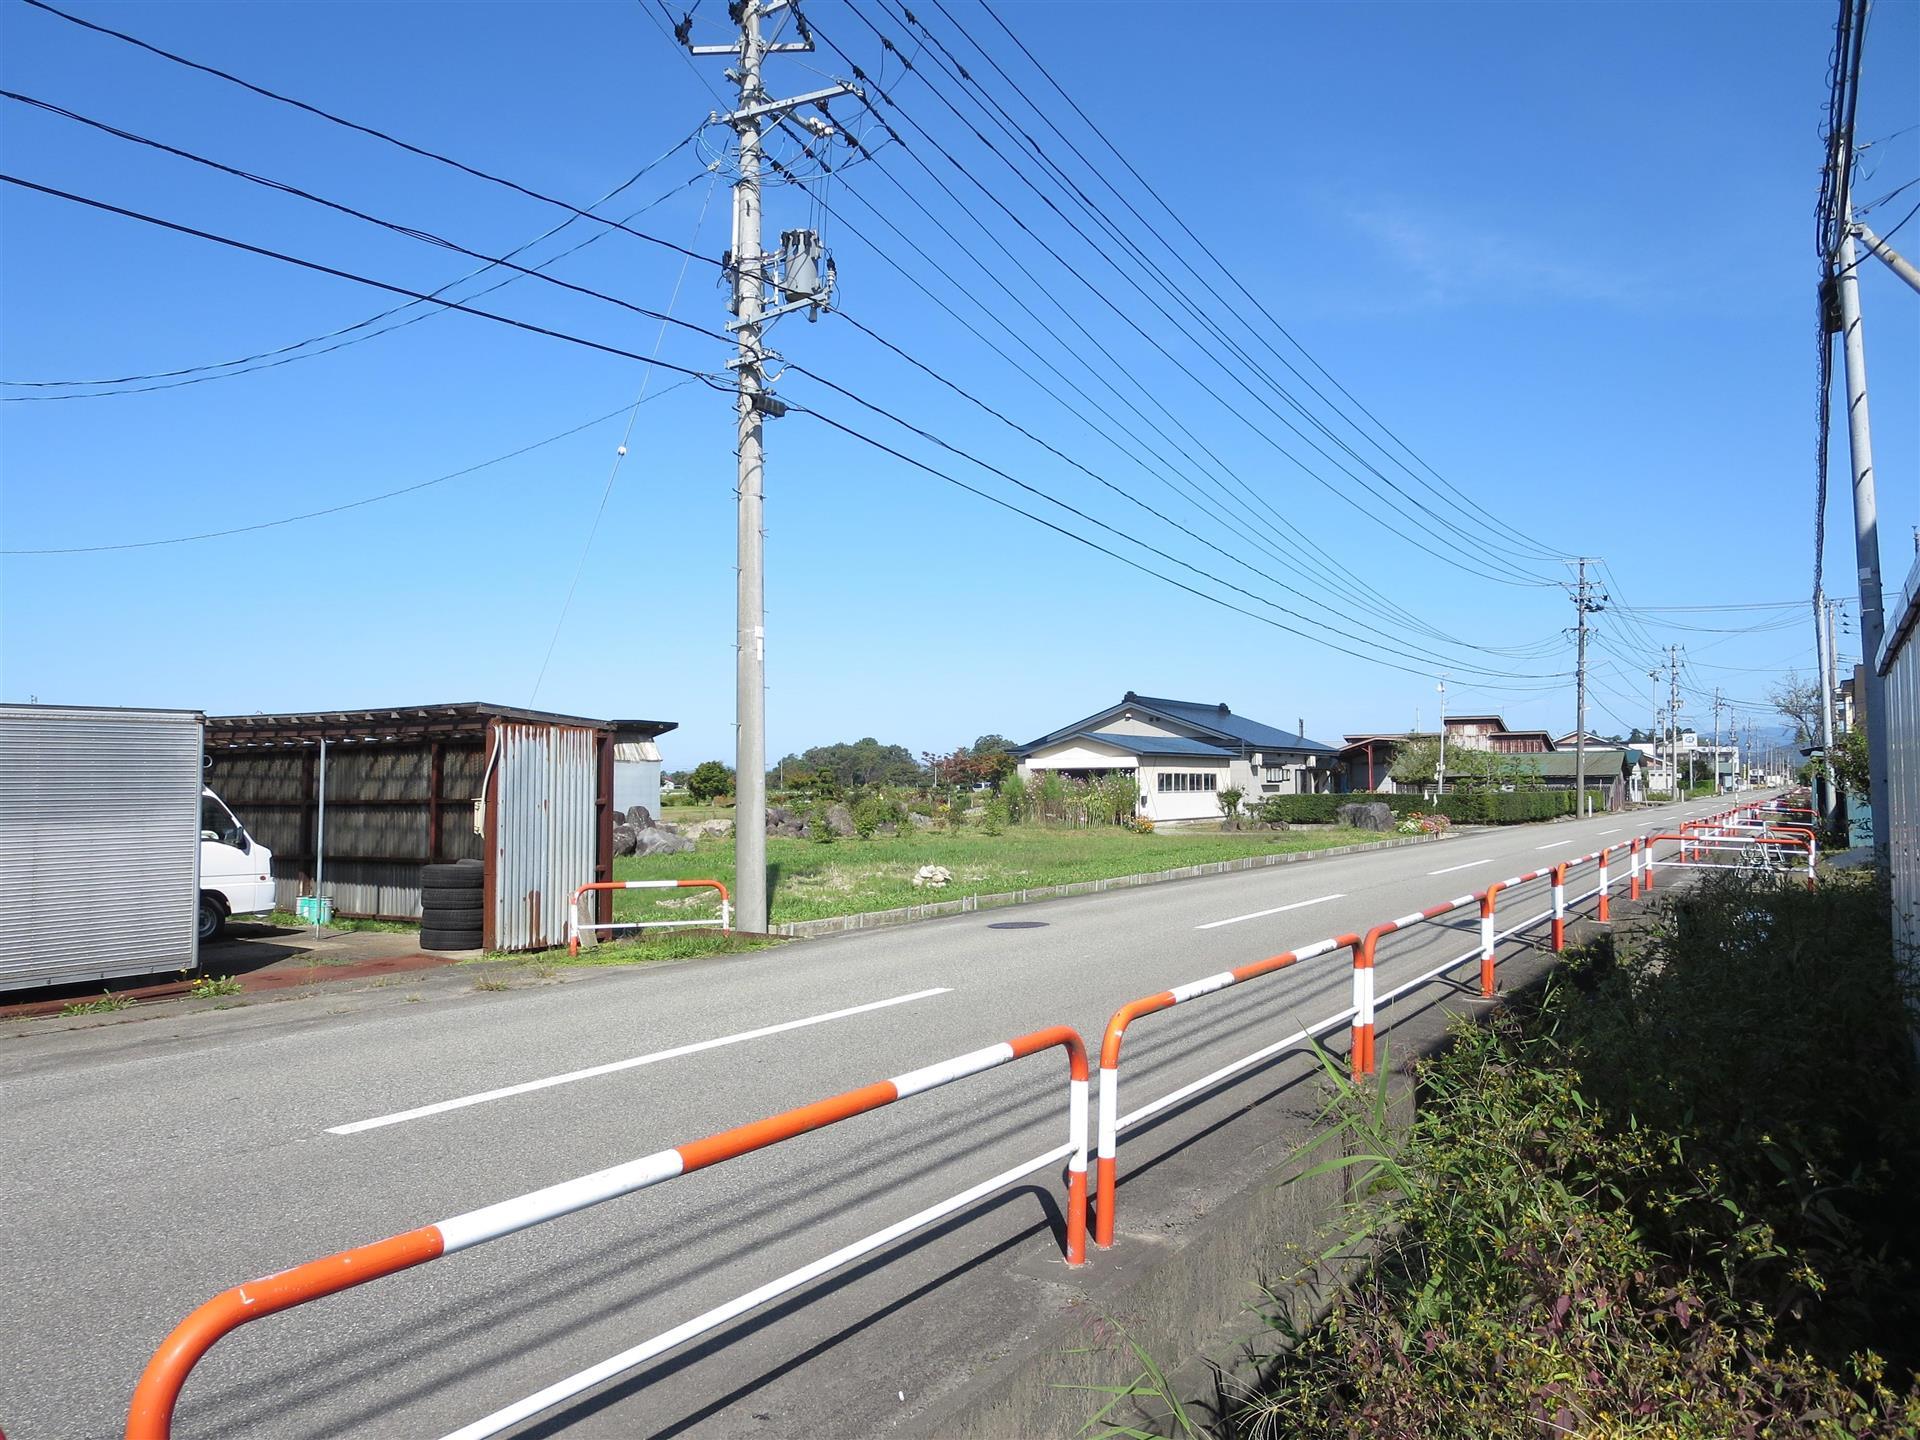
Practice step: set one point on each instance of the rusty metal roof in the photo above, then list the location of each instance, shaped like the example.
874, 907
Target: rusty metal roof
466, 719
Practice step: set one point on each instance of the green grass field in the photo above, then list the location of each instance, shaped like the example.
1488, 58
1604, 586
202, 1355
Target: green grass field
848, 877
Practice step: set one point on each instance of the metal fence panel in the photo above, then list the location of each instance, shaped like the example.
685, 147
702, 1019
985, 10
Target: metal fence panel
544, 830
1899, 667
99, 843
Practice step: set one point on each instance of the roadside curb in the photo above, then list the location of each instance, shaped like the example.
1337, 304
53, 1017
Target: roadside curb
968, 904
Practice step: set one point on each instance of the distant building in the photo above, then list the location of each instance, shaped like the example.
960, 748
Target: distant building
1183, 753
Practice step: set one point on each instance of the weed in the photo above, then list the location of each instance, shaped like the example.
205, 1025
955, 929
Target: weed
206, 987
1658, 1199
491, 983
413, 999
105, 1005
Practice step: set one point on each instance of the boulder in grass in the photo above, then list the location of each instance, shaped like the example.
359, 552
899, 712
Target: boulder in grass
840, 820
1375, 816
656, 840
626, 839
639, 817
932, 877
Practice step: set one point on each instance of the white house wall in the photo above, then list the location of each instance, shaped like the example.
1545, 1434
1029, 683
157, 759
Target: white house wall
1183, 804
1080, 755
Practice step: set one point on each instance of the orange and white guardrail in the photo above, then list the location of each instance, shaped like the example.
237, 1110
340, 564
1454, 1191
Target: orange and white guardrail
151, 1415
576, 928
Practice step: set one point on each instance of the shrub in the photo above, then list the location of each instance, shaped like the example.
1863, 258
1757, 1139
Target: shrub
1013, 790
819, 830
1230, 802
994, 820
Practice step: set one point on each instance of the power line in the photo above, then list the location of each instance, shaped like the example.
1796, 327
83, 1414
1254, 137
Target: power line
368, 130
424, 236
1237, 412
251, 363
338, 273
613, 471
345, 504
1247, 295
1144, 259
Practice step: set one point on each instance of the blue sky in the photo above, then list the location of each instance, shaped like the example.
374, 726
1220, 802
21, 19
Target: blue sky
1564, 251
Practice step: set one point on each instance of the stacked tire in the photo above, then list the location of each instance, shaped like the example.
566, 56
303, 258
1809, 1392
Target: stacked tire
452, 902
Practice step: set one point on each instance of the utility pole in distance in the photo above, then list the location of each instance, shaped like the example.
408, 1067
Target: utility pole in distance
806, 283
1823, 646
1673, 716
1585, 604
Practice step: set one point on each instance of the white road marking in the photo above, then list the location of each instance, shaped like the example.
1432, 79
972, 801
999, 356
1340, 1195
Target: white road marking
1615, 831
613, 1067
1451, 868
1552, 845
1278, 909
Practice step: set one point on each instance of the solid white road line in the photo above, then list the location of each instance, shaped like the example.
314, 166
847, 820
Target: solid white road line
1451, 868
1614, 831
1552, 845
613, 1067
1278, 909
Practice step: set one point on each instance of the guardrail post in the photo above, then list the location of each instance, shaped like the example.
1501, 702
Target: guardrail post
1560, 906
1605, 912
1489, 901
1361, 1055
1633, 868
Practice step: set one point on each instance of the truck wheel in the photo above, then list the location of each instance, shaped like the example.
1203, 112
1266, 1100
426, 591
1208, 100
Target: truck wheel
213, 919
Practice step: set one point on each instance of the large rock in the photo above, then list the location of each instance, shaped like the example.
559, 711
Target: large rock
840, 820
657, 840
932, 877
639, 817
700, 829
919, 821
1376, 816
625, 839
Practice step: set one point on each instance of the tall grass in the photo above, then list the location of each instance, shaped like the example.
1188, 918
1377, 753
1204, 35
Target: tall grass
1670, 1197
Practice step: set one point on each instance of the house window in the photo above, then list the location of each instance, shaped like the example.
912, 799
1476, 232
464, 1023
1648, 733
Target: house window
1276, 774
1182, 780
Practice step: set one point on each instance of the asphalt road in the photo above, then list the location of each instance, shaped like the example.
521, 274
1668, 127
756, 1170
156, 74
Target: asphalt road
147, 1166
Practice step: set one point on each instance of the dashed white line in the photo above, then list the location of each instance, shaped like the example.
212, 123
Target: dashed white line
613, 1067
1552, 845
1451, 868
1615, 831
1278, 909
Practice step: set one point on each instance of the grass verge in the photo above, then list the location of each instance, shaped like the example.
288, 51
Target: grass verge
811, 881
642, 950
1670, 1196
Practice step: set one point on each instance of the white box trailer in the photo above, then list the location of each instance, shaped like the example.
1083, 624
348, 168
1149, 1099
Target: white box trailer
100, 840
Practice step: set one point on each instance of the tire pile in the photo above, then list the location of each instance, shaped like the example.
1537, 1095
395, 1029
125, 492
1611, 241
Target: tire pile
452, 899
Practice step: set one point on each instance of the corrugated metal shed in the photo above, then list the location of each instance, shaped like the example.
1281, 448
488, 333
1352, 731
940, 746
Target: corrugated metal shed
528, 792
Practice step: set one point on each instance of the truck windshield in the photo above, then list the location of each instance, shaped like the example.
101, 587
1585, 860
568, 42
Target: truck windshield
217, 823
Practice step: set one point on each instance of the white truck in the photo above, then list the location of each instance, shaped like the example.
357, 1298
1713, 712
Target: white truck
115, 859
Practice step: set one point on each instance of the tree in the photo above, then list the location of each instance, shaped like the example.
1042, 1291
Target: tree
1799, 701
709, 781
1415, 759
1850, 761
864, 762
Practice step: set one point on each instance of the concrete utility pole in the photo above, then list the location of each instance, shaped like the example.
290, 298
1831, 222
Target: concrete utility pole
1441, 777
1823, 647
1584, 604
1715, 762
1673, 716
1866, 526
805, 284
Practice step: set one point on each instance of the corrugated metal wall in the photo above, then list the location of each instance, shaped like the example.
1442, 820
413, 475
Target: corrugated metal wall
380, 808
99, 843
1899, 666
545, 827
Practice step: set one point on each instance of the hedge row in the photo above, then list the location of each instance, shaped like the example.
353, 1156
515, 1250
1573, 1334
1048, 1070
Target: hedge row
1479, 807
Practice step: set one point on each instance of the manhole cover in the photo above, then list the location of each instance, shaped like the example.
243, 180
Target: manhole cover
1018, 925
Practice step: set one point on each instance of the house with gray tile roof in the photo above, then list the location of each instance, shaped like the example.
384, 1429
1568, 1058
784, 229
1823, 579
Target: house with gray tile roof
1183, 753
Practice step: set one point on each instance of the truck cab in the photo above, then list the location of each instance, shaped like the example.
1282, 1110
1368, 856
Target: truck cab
236, 871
